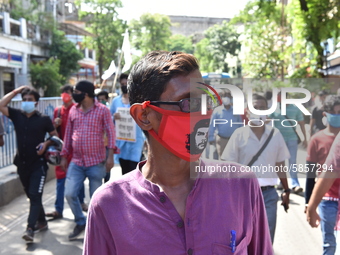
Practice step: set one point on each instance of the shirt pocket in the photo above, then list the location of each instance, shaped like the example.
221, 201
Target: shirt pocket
222, 249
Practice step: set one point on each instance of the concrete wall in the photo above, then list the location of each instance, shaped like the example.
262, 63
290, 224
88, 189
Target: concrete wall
186, 25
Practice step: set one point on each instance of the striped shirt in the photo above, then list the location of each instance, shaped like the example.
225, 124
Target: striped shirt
84, 135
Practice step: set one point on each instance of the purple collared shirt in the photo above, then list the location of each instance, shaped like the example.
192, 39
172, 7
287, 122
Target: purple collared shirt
132, 216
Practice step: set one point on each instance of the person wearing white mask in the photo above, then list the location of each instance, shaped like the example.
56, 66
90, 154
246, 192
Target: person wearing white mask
261, 149
219, 134
31, 128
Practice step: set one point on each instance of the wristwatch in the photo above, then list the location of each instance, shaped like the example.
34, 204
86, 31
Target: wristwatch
286, 191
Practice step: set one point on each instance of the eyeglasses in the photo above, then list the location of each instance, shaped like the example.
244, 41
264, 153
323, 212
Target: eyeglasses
186, 105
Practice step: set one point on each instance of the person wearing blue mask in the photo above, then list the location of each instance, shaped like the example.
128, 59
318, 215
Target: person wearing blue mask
31, 128
317, 153
219, 134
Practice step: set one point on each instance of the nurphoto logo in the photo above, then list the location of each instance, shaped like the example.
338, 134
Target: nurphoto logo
238, 100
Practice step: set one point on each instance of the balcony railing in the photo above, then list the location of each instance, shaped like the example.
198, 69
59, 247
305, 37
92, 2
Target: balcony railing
22, 28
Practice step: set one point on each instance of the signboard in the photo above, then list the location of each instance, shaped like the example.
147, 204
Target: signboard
10, 58
125, 126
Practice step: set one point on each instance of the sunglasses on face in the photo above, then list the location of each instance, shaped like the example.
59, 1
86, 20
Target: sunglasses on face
187, 105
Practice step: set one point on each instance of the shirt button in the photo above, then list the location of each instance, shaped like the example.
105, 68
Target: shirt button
180, 224
190, 251
162, 199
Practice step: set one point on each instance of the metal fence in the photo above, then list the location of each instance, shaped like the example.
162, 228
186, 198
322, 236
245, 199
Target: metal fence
7, 152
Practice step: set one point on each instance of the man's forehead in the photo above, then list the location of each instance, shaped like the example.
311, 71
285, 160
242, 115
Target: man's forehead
29, 96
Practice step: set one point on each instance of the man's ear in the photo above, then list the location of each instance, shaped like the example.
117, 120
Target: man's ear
140, 115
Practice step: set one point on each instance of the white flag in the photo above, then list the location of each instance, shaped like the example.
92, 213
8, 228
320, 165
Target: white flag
108, 73
127, 52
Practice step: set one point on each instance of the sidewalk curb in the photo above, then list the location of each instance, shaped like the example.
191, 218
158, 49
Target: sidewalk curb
10, 185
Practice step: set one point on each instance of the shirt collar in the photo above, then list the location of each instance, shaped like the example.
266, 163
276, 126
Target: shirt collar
249, 133
96, 104
148, 184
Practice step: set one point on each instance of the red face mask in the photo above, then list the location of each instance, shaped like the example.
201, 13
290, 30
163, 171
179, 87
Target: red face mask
66, 97
183, 134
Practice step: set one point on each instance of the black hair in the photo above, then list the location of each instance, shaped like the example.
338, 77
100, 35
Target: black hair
191, 145
30, 91
86, 87
323, 93
150, 75
123, 76
103, 93
259, 97
268, 94
66, 88
330, 102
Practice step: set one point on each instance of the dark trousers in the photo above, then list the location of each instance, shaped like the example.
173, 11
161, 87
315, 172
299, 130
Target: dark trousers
127, 165
33, 179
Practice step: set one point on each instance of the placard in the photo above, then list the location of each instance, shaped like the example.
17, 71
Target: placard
125, 126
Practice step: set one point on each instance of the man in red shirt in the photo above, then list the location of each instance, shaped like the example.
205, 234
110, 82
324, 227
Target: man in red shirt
87, 122
60, 117
318, 149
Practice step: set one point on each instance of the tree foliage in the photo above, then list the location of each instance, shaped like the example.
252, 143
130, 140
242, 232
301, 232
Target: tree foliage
288, 37
150, 32
265, 39
316, 21
66, 52
104, 23
31, 11
181, 43
221, 42
204, 56
45, 75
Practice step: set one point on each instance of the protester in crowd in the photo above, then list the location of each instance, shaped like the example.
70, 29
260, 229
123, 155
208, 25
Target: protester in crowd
87, 122
103, 97
219, 134
2, 132
318, 150
269, 97
291, 137
130, 151
31, 128
60, 117
176, 213
315, 123
260, 146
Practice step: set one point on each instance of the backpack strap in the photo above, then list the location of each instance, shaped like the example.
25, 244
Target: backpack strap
262, 148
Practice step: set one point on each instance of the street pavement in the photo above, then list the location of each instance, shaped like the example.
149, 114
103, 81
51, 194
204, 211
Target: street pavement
293, 234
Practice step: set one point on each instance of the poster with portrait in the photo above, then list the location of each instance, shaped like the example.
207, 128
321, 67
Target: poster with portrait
125, 126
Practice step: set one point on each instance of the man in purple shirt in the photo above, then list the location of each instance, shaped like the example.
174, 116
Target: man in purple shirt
171, 204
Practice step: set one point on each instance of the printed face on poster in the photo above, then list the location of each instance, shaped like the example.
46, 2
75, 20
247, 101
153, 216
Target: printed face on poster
125, 126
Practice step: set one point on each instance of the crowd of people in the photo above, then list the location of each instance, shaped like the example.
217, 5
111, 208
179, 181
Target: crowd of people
163, 204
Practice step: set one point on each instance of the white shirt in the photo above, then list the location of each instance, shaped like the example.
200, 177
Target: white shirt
243, 145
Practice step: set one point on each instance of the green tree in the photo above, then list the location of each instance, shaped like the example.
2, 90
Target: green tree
223, 43
316, 21
66, 52
45, 75
181, 43
204, 56
31, 11
265, 40
150, 32
104, 23
220, 44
